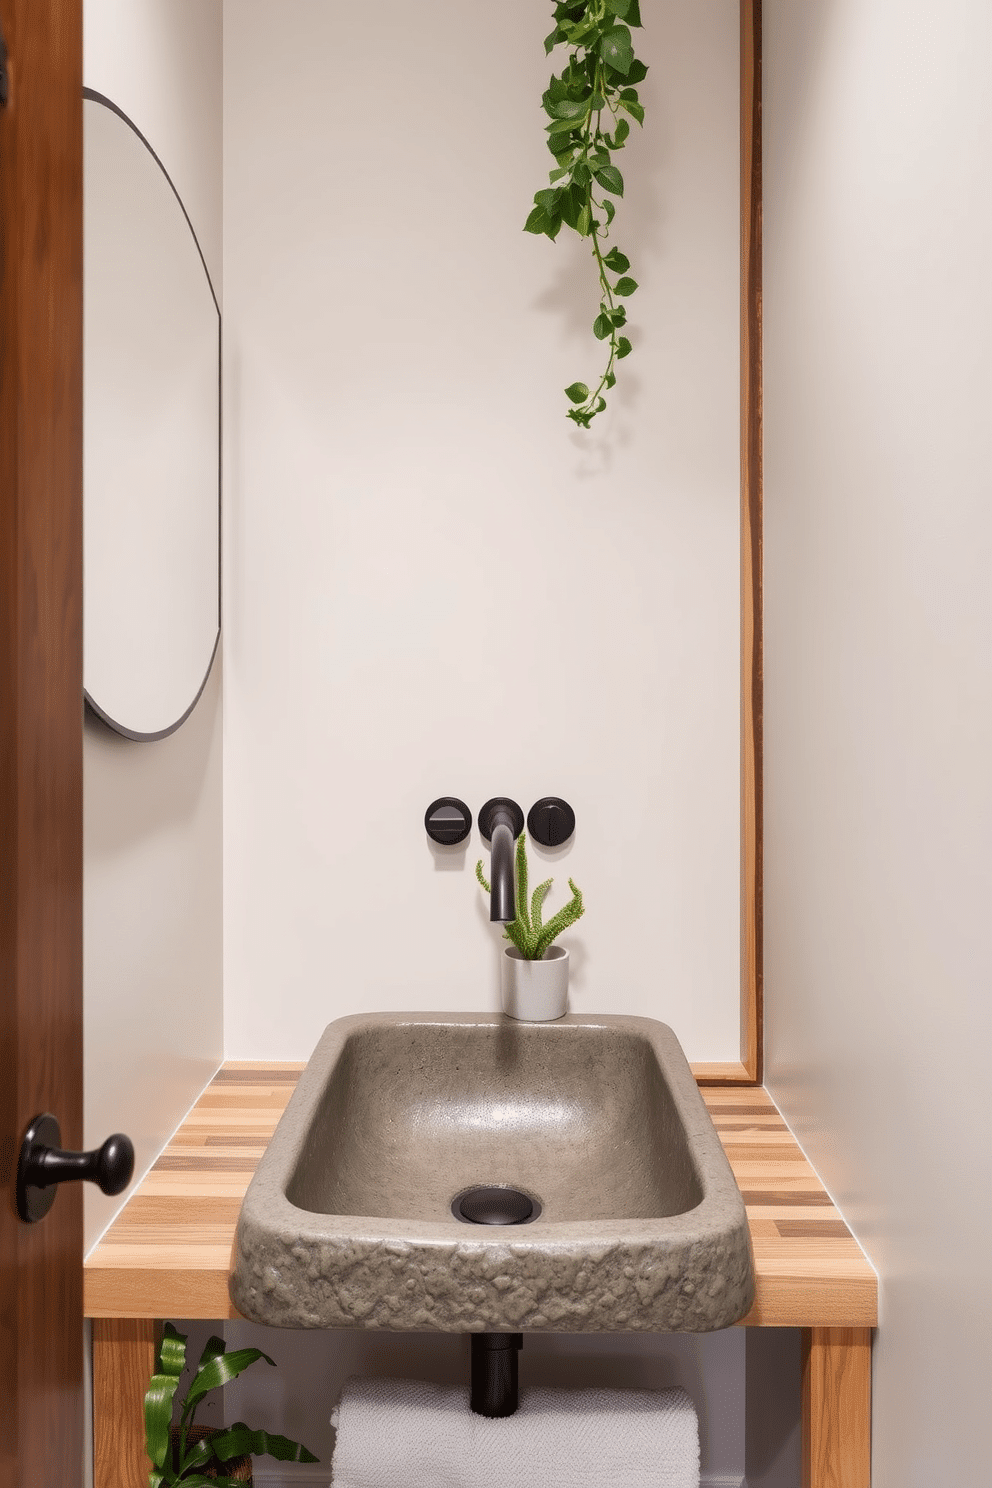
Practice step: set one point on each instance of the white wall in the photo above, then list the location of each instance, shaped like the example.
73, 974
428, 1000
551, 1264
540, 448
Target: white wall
152, 848
435, 585
878, 721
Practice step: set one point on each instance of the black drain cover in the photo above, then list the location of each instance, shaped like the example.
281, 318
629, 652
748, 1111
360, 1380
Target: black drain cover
494, 1206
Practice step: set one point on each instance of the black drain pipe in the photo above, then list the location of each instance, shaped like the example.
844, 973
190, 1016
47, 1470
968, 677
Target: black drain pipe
494, 1373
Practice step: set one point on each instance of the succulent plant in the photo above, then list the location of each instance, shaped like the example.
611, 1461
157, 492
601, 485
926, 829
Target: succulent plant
527, 932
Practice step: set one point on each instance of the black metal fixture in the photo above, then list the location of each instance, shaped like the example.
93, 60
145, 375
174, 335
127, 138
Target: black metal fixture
495, 1373
448, 821
43, 1165
501, 821
551, 821
495, 1204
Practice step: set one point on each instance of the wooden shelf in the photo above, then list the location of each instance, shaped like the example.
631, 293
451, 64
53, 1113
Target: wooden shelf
168, 1253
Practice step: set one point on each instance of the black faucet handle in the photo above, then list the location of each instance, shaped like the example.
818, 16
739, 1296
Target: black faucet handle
500, 808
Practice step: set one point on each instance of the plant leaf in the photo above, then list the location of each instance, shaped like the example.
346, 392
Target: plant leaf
617, 261
220, 1371
570, 108
601, 327
618, 8
161, 1393
624, 347
540, 222
481, 877
634, 109
572, 911
610, 179
540, 892
515, 931
239, 1440
578, 392
522, 914
616, 49
625, 286
199, 1480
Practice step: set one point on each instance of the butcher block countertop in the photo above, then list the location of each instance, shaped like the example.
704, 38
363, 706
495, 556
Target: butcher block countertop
168, 1253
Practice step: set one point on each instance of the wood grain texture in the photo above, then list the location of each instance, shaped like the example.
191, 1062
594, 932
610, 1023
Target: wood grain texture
836, 1408
168, 1253
751, 547
123, 1363
729, 1073
41, 725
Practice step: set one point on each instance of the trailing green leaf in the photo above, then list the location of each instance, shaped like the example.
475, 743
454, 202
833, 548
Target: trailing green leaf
596, 82
526, 931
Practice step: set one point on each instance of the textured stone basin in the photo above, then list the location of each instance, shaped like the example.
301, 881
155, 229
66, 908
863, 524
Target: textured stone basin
348, 1220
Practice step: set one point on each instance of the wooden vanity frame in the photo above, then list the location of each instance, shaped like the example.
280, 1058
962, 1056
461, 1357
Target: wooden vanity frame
168, 1255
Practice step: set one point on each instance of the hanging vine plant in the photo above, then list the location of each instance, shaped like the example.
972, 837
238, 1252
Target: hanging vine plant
597, 83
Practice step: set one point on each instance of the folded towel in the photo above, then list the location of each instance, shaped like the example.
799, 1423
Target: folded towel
410, 1434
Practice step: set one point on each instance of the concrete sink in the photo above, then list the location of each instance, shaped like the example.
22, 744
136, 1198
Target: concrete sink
630, 1215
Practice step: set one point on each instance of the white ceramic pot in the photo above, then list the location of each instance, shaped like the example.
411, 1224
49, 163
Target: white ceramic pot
535, 991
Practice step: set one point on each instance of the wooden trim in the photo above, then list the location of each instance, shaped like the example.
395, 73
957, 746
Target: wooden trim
752, 1009
836, 1408
123, 1363
731, 1073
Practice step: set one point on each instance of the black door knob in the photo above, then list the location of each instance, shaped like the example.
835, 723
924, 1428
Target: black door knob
42, 1165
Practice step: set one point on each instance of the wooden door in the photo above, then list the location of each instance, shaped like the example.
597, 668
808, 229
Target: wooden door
41, 699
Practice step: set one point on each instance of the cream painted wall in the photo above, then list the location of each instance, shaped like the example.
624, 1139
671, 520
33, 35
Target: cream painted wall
878, 695
434, 583
152, 836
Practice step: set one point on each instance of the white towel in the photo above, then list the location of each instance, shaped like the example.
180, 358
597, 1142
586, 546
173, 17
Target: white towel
410, 1434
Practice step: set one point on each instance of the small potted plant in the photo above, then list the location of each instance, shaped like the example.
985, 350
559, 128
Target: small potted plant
198, 1456
535, 970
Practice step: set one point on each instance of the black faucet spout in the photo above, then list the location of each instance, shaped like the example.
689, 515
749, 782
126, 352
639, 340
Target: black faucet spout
501, 906
502, 821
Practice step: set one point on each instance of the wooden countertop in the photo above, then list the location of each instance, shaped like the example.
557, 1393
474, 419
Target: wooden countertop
168, 1253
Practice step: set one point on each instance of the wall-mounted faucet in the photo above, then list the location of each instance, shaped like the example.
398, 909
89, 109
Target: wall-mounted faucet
501, 821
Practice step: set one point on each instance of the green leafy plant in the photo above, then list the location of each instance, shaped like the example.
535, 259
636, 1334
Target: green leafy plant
216, 1367
527, 932
598, 80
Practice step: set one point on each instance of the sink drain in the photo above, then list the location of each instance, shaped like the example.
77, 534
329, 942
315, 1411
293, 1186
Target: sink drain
494, 1204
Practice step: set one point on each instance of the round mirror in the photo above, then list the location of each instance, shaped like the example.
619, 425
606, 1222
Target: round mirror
151, 438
